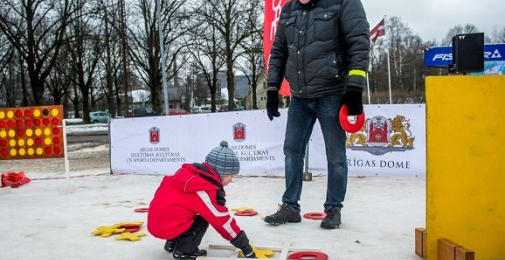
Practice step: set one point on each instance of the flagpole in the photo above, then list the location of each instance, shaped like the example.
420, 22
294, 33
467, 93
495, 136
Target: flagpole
368, 88
389, 66
389, 80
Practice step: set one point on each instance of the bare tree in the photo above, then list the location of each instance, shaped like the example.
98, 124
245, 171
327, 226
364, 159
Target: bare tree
458, 29
253, 52
108, 62
85, 48
9, 87
229, 18
498, 36
205, 59
145, 50
36, 28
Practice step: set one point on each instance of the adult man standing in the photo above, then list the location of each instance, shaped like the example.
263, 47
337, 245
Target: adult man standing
322, 48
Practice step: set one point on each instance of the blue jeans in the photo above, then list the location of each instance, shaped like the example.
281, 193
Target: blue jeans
302, 115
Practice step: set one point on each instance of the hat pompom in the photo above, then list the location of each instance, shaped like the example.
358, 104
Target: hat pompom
223, 160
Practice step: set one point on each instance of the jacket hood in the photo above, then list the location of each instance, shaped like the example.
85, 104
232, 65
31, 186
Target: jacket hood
196, 177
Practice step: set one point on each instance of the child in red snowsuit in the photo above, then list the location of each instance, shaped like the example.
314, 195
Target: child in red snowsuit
188, 201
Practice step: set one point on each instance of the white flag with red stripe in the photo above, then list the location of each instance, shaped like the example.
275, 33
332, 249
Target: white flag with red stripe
377, 31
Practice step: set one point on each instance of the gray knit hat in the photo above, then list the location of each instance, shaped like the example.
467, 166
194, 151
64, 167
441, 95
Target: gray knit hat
223, 160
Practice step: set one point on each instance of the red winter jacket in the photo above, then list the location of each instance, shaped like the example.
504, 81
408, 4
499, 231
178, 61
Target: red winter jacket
182, 196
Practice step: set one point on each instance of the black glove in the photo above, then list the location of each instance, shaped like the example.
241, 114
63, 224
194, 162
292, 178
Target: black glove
242, 242
248, 252
354, 102
273, 104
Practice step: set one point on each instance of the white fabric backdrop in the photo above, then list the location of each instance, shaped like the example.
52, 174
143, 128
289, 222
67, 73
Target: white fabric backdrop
159, 145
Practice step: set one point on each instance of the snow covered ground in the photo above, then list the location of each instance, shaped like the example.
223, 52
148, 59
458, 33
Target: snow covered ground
53, 217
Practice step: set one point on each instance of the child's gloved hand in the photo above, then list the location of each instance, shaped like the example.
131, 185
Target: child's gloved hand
242, 242
248, 252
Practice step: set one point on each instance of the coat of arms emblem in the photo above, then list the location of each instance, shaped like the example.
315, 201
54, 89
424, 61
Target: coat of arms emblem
239, 132
154, 135
380, 135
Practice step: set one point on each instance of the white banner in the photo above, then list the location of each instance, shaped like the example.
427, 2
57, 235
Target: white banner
391, 143
159, 145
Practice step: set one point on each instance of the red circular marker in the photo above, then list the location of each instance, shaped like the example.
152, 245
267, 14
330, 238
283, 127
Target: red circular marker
131, 229
348, 126
308, 255
56, 140
141, 210
56, 131
20, 132
19, 113
314, 215
11, 123
28, 122
2, 124
246, 213
46, 121
28, 113
48, 150
3, 143
55, 121
36, 122
19, 123
4, 152
57, 150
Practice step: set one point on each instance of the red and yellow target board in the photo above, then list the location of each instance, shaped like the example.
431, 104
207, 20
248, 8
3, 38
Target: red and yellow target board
31, 132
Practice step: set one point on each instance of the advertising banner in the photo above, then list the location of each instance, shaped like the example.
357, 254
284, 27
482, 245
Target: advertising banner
392, 142
442, 56
159, 145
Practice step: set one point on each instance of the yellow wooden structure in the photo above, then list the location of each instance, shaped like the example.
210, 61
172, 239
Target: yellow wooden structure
465, 121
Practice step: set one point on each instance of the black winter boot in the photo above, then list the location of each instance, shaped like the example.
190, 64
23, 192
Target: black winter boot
333, 219
185, 256
169, 246
284, 214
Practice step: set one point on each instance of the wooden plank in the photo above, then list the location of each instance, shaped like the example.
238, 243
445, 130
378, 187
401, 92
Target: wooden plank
285, 250
424, 244
420, 238
446, 249
463, 253
273, 248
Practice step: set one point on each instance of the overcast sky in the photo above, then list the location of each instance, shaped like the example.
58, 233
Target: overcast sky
432, 19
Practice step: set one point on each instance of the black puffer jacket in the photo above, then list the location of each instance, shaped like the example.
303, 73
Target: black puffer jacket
317, 45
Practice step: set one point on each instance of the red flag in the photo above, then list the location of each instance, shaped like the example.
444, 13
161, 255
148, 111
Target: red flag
272, 13
377, 31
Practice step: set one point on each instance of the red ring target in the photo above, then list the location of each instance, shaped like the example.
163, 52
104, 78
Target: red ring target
308, 255
141, 210
348, 126
314, 215
246, 213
